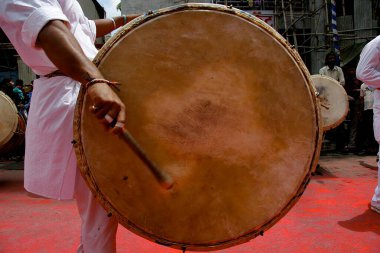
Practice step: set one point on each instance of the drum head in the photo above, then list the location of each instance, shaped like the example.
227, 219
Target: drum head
333, 101
8, 119
214, 96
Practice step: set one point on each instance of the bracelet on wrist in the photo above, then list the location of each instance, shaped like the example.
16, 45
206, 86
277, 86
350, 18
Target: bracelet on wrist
114, 23
99, 80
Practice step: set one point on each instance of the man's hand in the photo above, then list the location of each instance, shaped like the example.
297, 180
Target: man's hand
106, 102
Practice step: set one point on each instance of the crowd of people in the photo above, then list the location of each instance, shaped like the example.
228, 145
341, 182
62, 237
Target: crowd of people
355, 134
19, 92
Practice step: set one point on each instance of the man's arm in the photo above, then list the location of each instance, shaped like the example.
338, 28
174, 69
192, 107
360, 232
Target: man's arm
65, 52
366, 70
105, 26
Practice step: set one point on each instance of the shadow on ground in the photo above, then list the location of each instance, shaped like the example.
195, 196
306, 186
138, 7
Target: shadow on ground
366, 222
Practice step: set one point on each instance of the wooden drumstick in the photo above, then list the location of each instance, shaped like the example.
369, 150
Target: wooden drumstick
163, 179
325, 106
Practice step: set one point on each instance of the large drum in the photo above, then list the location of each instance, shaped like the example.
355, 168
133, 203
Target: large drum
221, 103
333, 101
12, 126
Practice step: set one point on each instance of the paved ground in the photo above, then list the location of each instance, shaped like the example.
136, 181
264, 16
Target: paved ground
331, 216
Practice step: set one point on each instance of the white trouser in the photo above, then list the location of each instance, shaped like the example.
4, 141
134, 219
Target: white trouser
376, 129
98, 231
376, 196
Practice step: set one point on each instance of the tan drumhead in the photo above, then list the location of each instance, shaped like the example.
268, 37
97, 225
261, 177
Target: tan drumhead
214, 96
333, 101
8, 118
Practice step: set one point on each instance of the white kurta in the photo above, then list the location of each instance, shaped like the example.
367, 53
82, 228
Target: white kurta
50, 163
368, 71
367, 94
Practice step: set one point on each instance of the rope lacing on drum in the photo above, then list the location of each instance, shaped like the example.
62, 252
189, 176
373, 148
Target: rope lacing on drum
20, 132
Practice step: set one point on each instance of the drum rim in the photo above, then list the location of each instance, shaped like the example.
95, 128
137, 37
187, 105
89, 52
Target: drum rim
82, 161
340, 87
4, 142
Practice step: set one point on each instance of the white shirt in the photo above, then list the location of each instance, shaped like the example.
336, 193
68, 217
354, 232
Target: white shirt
335, 73
367, 93
368, 71
50, 162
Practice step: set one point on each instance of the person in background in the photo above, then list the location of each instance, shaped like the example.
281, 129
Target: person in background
17, 90
352, 87
368, 71
7, 87
331, 69
368, 143
337, 136
28, 91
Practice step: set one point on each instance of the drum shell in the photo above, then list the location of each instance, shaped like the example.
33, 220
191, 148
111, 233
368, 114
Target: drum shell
82, 122
16, 144
14, 137
333, 101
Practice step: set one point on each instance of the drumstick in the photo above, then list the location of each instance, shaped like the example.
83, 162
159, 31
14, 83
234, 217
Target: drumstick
163, 179
325, 106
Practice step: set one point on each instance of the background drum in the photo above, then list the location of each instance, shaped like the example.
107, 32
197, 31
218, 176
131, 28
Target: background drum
215, 97
333, 101
12, 126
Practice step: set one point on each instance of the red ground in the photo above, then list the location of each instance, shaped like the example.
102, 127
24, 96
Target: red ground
331, 216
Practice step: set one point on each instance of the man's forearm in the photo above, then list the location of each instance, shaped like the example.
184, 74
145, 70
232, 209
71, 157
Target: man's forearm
64, 51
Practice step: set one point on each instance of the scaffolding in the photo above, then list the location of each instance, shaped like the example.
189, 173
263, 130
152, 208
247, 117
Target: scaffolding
306, 24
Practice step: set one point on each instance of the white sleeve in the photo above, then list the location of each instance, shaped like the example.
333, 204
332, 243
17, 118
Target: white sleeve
30, 16
368, 67
37, 20
362, 90
341, 77
93, 29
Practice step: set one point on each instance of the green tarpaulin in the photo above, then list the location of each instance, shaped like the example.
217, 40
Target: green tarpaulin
349, 53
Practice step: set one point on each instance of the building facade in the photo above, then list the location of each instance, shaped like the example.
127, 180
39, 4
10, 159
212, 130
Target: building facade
306, 24
141, 6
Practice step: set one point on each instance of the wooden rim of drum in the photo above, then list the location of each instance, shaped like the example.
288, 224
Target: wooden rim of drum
11, 124
89, 178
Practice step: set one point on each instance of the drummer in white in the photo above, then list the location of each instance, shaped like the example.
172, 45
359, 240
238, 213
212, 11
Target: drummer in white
331, 70
57, 41
368, 71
